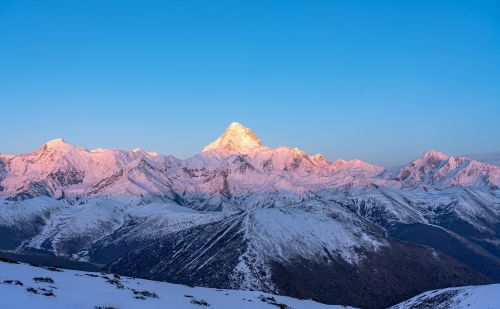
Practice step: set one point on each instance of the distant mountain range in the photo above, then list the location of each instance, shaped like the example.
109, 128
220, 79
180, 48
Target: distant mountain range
245, 216
486, 157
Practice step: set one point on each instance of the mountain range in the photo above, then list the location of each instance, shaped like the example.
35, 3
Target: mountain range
240, 215
486, 157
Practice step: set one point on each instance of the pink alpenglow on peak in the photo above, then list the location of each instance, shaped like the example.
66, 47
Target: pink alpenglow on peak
320, 159
434, 154
233, 165
440, 170
56, 141
236, 138
57, 145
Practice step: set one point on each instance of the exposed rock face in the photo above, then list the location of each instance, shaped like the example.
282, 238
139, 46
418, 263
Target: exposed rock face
383, 278
227, 255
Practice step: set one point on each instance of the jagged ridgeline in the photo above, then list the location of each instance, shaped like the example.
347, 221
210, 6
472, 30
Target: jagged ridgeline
246, 216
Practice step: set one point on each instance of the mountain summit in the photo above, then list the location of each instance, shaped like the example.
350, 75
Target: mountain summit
57, 143
236, 138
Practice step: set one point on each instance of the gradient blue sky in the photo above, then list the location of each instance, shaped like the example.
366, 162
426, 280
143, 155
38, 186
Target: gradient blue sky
381, 81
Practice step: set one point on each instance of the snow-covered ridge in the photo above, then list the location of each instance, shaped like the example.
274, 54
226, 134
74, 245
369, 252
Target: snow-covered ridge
486, 157
439, 170
86, 224
470, 297
24, 286
234, 167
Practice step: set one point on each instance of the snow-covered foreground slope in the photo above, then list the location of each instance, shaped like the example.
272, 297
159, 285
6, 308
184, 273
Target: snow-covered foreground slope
469, 297
23, 286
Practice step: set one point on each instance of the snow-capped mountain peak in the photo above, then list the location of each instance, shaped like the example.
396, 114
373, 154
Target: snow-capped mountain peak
56, 144
424, 165
235, 139
435, 155
320, 159
440, 170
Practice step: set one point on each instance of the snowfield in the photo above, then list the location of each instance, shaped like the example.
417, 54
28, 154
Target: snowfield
23, 286
470, 297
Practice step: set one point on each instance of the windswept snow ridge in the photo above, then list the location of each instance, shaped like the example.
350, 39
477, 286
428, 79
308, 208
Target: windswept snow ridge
468, 297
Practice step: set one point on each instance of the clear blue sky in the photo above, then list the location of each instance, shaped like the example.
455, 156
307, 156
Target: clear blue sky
381, 81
